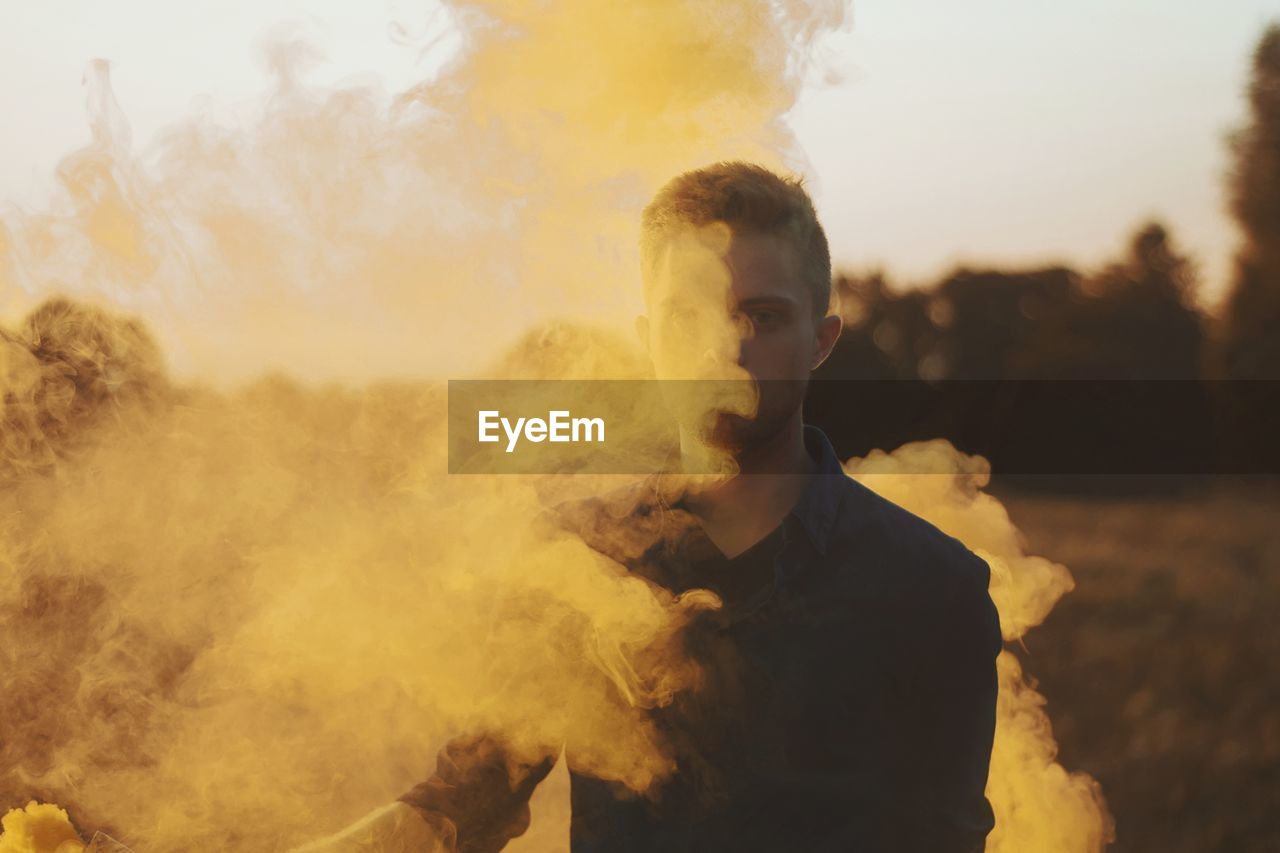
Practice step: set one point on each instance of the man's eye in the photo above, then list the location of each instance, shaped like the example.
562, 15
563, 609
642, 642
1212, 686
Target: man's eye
765, 318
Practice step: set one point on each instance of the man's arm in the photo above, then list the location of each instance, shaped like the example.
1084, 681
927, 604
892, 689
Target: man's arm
483, 790
476, 801
943, 807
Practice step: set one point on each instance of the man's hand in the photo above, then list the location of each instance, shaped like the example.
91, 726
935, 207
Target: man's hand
394, 828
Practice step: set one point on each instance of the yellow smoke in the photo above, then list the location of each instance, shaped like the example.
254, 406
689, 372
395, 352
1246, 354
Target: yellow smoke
38, 828
1039, 806
235, 619
351, 235
237, 611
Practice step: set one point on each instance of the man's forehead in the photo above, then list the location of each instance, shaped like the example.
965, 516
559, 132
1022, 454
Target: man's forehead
718, 263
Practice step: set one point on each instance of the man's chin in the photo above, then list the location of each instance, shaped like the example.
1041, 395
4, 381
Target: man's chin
733, 433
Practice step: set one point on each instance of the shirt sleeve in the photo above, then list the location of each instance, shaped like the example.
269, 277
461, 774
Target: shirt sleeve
947, 750
479, 793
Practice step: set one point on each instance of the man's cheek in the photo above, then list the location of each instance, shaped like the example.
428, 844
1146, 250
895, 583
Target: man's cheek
779, 360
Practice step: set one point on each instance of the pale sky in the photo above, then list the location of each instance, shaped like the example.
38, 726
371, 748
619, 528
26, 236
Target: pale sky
1001, 131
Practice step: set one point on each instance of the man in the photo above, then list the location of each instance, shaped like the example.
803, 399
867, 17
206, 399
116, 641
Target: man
849, 698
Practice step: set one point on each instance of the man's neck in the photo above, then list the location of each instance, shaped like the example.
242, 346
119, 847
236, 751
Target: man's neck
772, 476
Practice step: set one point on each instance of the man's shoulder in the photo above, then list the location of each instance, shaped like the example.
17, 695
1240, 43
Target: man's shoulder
899, 549
930, 586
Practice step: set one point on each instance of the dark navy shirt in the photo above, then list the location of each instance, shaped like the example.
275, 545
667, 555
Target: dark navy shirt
848, 702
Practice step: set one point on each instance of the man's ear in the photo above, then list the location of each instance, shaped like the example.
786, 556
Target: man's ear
824, 341
642, 332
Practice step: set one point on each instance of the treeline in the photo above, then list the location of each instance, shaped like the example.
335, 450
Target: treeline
1058, 372
1137, 319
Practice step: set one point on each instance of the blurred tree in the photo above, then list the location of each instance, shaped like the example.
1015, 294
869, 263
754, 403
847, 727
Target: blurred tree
866, 304
858, 397
991, 317
1134, 319
1251, 339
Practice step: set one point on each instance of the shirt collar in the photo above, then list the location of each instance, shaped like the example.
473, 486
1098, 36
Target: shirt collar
820, 502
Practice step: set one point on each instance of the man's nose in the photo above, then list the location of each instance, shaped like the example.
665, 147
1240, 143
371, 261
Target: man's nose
714, 356
730, 346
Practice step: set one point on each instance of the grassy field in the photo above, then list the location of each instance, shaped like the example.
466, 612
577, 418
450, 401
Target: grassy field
1162, 667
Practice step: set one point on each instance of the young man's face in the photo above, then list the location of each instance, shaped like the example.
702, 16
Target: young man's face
735, 307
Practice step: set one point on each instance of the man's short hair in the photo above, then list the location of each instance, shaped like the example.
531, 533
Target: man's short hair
749, 199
